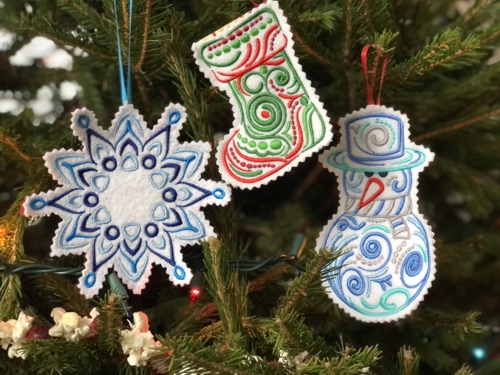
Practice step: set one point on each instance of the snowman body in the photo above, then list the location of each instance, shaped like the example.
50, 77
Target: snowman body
387, 261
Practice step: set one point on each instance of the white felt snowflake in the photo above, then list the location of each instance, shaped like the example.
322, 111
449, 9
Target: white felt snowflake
130, 198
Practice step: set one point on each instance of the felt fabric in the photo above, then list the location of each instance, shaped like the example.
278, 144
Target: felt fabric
387, 262
278, 119
130, 198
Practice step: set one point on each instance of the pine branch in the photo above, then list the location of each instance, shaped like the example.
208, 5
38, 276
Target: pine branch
43, 26
64, 292
482, 190
457, 325
307, 40
145, 35
346, 53
13, 144
443, 49
408, 361
10, 295
185, 82
228, 292
11, 366
465, 370
437, 358
111, 313
124, 368
125, 19
9, 142
457, 126
471, 12
91, 96
89, 19
490, 35
312, 50
254, 327
315, 270
58, 356
12, 227
464, 94
269, 277
293, 335
199, 317
144, 93
366, 9
348, 361
448, 253
191, 355
216, 7
326, 17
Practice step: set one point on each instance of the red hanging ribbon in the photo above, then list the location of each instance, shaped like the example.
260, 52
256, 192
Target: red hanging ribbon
369, 86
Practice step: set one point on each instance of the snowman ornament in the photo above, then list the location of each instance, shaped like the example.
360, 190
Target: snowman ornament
387, 262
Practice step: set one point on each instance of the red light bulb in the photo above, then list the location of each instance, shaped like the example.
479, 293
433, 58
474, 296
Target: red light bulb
194, 294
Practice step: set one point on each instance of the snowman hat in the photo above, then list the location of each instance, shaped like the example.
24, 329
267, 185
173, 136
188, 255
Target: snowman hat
376, 140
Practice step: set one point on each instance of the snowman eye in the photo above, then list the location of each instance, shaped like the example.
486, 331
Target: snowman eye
368, 174
383, 174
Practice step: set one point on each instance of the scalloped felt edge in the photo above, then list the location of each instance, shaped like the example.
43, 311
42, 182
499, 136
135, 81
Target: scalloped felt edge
285, 27
323, 158
386, 319
203, 147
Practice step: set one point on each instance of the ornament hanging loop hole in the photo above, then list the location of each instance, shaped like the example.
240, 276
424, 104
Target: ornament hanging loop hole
371, 76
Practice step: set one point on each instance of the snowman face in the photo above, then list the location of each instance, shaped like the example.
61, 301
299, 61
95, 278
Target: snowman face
369, 186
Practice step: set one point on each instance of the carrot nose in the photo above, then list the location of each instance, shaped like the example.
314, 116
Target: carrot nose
374, 187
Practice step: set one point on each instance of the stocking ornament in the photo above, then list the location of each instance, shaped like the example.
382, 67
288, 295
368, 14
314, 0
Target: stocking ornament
387, 262
279, 120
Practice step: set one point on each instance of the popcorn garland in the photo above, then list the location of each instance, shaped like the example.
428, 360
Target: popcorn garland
72, 326
137, 343
13, 335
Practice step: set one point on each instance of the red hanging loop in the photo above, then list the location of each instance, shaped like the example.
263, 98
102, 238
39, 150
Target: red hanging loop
254, 3
369, 86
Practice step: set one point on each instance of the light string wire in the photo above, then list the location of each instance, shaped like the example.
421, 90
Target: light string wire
242, 265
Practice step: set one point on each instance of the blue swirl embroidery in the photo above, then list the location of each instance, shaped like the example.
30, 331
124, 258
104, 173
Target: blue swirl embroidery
349, 222
355, 285
130, 198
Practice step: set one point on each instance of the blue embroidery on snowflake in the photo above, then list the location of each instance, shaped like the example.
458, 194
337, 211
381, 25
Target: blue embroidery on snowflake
130, 198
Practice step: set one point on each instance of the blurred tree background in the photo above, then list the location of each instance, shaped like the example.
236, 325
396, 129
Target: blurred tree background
443, 72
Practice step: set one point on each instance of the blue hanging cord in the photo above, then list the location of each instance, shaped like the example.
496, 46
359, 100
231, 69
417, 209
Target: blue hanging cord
129, 81
126, 90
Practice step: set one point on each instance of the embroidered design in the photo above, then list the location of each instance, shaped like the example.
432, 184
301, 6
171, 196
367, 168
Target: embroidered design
279, 120
130, 198
388, 260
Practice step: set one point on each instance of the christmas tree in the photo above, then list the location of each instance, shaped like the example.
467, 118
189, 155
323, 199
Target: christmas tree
256, 304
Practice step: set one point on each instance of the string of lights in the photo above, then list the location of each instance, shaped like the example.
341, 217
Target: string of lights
242, 265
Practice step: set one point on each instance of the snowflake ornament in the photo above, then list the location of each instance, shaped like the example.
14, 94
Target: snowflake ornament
130, 198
